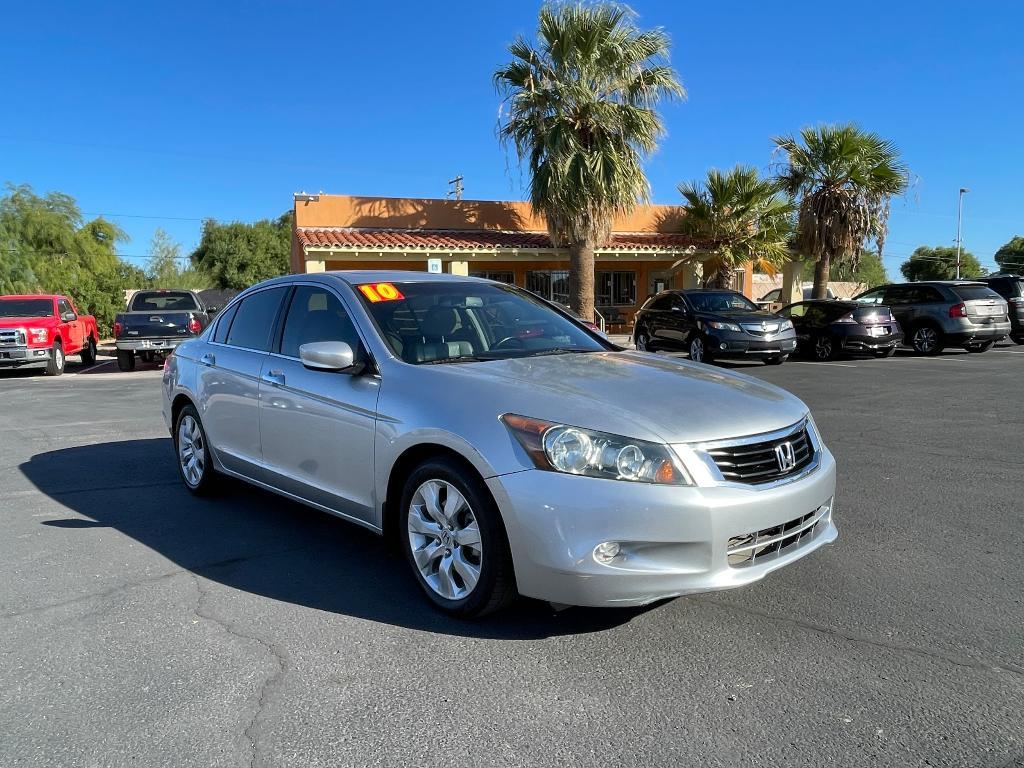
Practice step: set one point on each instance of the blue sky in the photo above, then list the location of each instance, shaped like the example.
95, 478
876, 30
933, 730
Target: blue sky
162, 114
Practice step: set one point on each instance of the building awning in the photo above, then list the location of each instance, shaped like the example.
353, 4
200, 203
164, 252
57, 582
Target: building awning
345, 239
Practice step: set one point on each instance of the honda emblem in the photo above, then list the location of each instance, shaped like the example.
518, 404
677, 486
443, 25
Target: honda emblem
785, 456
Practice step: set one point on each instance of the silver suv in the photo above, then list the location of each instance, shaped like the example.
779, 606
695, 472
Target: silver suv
944, 313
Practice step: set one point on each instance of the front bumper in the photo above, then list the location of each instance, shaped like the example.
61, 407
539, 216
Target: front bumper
674, 540
18, 357
735, 345
148, 345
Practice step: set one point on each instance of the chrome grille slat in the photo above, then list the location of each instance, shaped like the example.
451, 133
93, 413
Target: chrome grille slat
746, 550
757, 462
13, 337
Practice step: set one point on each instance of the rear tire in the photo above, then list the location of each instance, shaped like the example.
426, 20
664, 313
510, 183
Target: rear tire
985, 346
192, 451
1017, 339
927, 340
825, 348
473, 539
89, 352
641, 340
55, 365
125, 360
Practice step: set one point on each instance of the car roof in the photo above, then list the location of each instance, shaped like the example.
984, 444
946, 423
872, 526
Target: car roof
831, 302
702, 290
360, 276
942, 282
34, 296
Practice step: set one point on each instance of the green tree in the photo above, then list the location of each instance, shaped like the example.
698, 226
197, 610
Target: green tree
49, 247
238, 255
1010, 257
164, 268
940, 264
870, 270
581, 115
842, 179
743, 216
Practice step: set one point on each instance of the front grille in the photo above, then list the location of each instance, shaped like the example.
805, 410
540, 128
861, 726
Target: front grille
760, 329
759, 545
763, 462
12, 337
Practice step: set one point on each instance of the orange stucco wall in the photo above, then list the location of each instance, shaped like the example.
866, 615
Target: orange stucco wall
430, 213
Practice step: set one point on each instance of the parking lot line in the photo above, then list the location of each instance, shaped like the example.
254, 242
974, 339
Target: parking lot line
816, 364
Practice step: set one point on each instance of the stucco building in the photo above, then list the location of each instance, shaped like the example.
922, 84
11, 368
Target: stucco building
499, 240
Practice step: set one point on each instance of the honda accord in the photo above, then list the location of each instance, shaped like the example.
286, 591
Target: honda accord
503, 446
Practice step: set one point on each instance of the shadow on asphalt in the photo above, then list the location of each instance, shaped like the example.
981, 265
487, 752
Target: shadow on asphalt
255, 541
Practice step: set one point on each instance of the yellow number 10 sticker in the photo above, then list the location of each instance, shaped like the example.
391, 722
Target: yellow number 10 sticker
381, 292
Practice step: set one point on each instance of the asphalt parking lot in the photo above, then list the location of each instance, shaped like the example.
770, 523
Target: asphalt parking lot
141, 626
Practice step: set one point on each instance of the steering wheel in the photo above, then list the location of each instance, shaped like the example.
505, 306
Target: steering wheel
508, 339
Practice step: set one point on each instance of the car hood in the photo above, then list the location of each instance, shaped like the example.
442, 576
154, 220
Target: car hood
740, 316
635, 394
21, 322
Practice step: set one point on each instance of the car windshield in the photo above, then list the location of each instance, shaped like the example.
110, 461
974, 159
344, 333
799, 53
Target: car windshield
163, 301
720, 301
26, 308
438, 322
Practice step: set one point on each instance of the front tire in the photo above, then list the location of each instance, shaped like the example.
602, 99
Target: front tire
55, 365
454, 540
125, 360
641, 340
195, 463
699, 351
89, 352
927, 340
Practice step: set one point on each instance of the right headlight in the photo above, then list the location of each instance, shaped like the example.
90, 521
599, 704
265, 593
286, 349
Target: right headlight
577, 451
721, 326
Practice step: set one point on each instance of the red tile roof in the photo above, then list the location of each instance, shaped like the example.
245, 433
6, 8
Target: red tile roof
456, 240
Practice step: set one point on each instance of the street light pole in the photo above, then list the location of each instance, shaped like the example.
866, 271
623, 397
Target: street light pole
959, 220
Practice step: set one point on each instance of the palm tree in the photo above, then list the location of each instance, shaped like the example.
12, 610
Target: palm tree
843, 178
581, 114
743, 217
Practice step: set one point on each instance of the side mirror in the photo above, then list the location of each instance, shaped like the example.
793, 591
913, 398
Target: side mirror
336, 356
211, 311
69, 317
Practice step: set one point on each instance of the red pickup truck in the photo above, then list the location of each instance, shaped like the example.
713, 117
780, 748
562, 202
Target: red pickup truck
42, 330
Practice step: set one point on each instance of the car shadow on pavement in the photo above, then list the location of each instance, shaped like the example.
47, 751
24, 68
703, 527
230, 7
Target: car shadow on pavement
255, 541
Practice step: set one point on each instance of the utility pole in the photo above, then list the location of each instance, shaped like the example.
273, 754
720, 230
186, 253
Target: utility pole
457, 190
959, 219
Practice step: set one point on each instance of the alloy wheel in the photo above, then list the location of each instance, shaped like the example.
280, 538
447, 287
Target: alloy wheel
925, 339
823, 348
58, 357
641, 342
444, 538
191, 451
697, 350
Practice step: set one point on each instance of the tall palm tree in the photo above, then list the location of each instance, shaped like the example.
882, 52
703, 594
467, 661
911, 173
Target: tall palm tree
743, 217
581, 113
843, 178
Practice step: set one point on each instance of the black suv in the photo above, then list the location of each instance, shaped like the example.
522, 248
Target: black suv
1011, 288
942, 313
711, 324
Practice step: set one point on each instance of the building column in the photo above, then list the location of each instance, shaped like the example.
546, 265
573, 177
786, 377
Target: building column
458, 267
689, 275
745, 278
315, 266
792, 285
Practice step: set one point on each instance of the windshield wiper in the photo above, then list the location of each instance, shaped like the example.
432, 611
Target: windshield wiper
559, 351
461, 359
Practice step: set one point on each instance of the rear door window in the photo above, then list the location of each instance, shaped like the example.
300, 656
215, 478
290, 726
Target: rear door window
661, 303
253, 325
220, 335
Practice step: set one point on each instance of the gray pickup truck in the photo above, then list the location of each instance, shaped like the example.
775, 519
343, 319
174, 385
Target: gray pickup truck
156, 322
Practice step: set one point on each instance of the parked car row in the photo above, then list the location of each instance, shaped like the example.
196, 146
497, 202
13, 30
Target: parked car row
927, 316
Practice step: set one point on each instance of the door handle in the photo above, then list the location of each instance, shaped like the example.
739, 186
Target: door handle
208, 359
275, 378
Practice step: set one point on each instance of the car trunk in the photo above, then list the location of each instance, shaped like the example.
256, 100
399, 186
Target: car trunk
984, 306
155, 325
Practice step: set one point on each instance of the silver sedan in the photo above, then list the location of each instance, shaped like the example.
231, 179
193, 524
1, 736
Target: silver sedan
503, 446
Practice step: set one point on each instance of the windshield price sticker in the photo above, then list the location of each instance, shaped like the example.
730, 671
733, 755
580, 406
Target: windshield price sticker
377, 292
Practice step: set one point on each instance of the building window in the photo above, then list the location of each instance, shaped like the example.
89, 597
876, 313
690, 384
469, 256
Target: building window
551, 284
500, 276
615, 289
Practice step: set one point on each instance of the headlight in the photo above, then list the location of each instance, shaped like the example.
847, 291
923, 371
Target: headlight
786, 325
719, 326
576, 451
39, 335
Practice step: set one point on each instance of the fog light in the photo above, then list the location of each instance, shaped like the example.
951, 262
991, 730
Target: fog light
606, 552
723, 345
